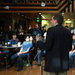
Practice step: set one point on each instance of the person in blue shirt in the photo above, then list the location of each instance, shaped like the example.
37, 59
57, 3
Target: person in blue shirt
72, 53
22, 53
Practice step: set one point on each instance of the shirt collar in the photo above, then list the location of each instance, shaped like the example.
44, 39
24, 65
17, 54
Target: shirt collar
56, 24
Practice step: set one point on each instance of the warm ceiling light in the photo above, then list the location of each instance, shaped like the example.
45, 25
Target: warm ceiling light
39, 13
68, 19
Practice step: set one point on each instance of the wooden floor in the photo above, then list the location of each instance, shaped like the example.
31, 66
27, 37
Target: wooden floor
34, 70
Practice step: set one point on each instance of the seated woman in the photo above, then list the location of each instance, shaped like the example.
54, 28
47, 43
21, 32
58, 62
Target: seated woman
22, 53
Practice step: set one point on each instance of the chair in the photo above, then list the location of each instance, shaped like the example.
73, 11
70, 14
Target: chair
29, 58
4, 61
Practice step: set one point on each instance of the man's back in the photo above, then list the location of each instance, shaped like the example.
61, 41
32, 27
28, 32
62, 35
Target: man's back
58, 44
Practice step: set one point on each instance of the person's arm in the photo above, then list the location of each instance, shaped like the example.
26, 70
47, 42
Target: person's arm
30, 45
21, 49
73, 50
25, 51
49, 40
72, 47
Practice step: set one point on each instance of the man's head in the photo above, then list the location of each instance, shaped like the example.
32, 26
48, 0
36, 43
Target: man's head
37, 26
14, 36
56, 19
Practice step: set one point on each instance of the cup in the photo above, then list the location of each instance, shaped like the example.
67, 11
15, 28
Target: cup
19, 44
9, 44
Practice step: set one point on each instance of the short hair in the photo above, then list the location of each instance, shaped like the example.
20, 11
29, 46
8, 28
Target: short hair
26, 36
59, 18
14, 33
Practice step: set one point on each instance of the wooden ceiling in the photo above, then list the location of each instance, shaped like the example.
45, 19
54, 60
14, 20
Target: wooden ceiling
33, 6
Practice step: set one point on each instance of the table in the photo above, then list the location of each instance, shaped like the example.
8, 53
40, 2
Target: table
7, 47
10, 50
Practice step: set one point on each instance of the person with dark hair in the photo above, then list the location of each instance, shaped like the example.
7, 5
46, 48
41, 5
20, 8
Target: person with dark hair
14, 40
72, 53
22, 53
57, 46
20, 30
30, 30
59, 18
37, 30
67, 27
3, 54
10, 32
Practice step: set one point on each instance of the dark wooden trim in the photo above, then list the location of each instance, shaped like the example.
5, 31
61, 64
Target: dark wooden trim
29, 11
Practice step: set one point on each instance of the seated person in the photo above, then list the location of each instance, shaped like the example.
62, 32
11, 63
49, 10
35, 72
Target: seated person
72, 53
3, 54
39, 52
14, 39
20, 32
71, 57
9, 32
22, 53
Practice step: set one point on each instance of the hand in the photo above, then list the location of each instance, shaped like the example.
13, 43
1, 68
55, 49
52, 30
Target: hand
72, 47
72, 51
19, 53
0, 52
38, 38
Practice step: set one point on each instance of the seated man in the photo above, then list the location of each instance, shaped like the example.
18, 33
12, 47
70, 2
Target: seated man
14, 39
22, 53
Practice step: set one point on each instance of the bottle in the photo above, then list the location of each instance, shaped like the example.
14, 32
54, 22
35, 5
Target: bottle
24, 62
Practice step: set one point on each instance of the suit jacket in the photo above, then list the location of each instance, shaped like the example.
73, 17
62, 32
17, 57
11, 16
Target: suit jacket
57, 46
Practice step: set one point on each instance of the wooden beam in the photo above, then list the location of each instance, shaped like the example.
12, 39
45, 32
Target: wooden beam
29, 12
63, 7
29, 7
61, 3
40, 3
23, 7
74, 6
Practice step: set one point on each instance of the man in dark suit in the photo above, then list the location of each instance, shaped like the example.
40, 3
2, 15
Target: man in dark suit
57, 46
